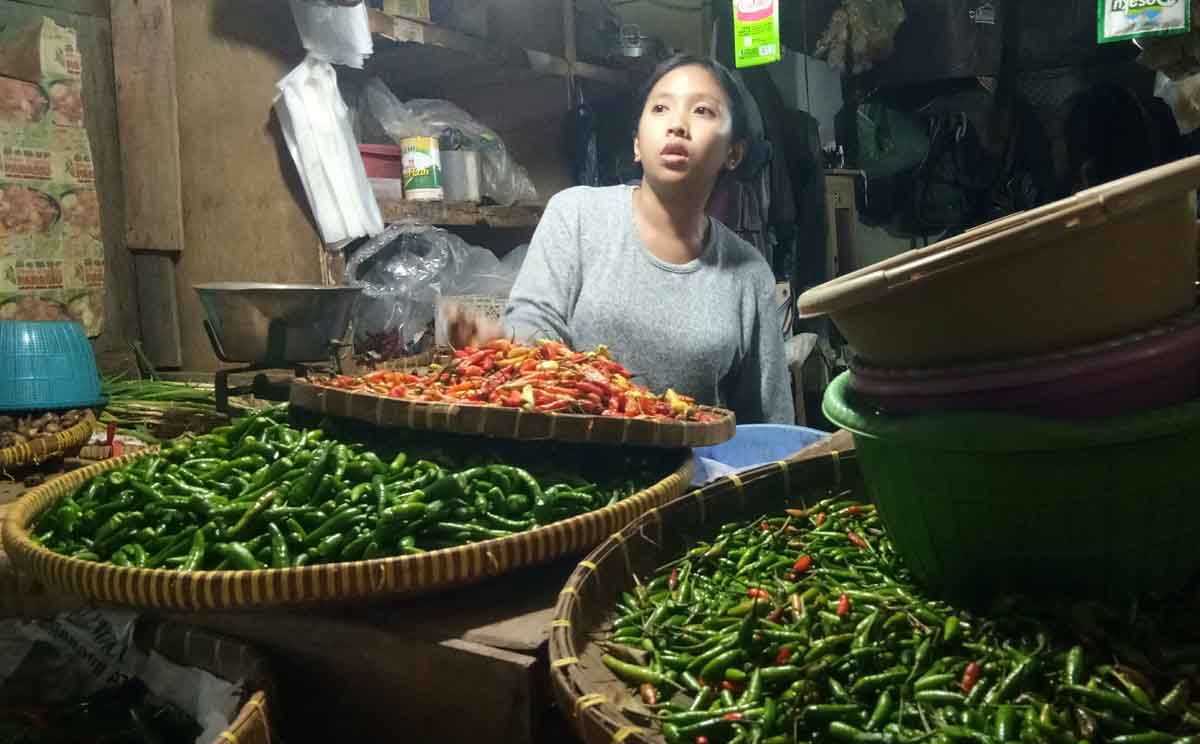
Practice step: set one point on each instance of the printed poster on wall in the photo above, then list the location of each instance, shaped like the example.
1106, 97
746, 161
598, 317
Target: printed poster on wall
756, 32
51, 254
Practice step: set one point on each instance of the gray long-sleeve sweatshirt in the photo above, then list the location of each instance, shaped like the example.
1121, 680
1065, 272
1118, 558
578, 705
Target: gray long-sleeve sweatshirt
707, 328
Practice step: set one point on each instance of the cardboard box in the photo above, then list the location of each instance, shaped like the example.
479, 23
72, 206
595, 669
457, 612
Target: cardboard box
51, 253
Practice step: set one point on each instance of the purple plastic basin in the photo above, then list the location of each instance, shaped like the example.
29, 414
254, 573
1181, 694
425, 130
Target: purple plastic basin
1157, 368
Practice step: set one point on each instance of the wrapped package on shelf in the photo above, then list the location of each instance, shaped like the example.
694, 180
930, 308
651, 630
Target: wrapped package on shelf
316, 127
51, 252
334, 33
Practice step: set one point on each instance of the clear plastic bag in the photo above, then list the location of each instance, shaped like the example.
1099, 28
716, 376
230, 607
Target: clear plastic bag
502, 180
403, 271
1183, 96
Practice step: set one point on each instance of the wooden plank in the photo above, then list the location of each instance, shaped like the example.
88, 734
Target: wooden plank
375, 680
460, 213
144, 60
245, 213
489, 55
158, 306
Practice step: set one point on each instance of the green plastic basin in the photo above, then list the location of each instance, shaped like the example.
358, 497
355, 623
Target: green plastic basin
984, 502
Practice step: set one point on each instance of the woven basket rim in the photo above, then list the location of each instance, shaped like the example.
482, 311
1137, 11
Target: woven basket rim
33, 452
135, 586
442, 416
581, 705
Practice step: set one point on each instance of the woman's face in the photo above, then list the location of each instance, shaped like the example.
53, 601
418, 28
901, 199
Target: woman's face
685, 134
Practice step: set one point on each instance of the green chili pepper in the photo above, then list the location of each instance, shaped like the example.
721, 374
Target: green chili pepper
238, 555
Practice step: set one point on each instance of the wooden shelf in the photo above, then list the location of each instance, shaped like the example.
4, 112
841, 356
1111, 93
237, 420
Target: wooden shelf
459, 52
445, 213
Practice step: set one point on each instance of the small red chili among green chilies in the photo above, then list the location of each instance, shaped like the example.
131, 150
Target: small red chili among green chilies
735, 716
820, 520
843, 607
755, 592
802, 564
673, 581
970, 677
701, 740
857, 539
781, 658
734, 687
649, 693
764, 526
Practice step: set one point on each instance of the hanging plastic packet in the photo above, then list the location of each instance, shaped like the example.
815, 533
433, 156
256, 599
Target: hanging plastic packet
1122, 20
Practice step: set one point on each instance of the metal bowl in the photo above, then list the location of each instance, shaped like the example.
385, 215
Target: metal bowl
278, 324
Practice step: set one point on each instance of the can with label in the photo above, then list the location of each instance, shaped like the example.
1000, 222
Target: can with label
422, 167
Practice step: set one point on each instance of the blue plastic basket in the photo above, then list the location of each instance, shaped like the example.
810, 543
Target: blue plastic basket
46, 365
758, 444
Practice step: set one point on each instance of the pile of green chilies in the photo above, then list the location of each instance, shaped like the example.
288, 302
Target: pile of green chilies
261, 493
808, 628
125, 714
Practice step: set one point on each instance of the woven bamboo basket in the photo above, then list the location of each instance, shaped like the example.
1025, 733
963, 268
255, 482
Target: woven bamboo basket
328, 583
43, 448
512, 423
594, 700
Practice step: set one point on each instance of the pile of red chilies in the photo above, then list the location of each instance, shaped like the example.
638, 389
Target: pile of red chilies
546, 378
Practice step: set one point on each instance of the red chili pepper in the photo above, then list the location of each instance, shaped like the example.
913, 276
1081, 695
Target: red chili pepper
755, 592
820, 520
110, 433
733, 687
734, 716
858, 539
970, 677
701, 740
843, 607
776, 615
764, 526
853, 509
591, 387
674, 580
802, 564
649, 693
781, 658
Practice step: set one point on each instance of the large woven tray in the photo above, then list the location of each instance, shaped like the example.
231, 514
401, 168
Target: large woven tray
512, 423
43, 448
587, 692
329, 583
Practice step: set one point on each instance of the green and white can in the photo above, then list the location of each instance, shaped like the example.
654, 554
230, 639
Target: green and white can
421, 162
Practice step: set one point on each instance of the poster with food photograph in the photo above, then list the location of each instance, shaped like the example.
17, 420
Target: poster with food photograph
51, 254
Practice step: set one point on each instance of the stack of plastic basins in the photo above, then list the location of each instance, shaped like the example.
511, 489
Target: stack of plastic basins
1024, 396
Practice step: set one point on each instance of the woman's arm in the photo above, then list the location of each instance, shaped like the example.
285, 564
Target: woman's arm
762, 389
547, 287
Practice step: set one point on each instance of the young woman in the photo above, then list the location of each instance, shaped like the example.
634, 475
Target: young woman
678, 297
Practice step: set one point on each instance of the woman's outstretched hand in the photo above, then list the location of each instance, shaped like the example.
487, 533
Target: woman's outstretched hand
466, 327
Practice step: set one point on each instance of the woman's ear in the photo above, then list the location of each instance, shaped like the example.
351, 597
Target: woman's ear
737, 153
637, 150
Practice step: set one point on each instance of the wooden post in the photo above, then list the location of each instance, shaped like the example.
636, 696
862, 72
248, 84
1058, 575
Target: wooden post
148, 125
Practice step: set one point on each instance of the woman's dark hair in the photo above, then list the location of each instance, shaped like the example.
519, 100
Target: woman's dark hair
758, 150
